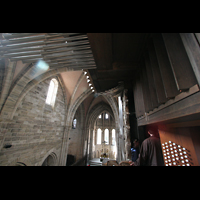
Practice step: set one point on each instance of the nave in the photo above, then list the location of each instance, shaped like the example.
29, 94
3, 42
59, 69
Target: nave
67, 99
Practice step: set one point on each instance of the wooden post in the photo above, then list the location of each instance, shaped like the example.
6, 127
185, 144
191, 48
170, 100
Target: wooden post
145, 89
151, 82
179, 60
160, 90
193, 51
138, 97
168, 78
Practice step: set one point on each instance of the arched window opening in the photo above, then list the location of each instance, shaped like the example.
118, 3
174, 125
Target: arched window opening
74, 123
52, 91
106, 135
50, 160
100, 116
98, 136
113, 137
106, 116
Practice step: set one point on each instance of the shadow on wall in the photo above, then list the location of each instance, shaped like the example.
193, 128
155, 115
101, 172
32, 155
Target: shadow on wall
70, 160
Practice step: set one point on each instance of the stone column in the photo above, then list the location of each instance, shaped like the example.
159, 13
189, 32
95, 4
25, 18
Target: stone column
110, 136
118, 143
102, 135
87, 143
95, 136
91, 143
64, 147
126, 126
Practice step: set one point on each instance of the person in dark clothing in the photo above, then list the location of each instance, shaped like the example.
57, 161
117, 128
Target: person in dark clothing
150, 152
135, 150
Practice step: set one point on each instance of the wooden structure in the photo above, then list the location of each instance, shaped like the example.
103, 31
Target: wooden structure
180, 145
164, 75
70, 50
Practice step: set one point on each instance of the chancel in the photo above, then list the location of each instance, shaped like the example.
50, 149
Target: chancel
82, 99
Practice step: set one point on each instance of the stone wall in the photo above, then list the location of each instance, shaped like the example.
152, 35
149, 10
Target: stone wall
2, 73
76, 135
36, 129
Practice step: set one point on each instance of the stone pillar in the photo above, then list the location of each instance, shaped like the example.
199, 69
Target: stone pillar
102, 135
64, 147
91, 143
127, 142
87, 143
95, 136
118, 143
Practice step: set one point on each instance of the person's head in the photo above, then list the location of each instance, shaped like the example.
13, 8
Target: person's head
153, 131
136, 143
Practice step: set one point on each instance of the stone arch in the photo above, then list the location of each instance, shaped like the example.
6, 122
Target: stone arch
51, 157
25, 83
95, 112
7, 80
20, 164
76, 104
50, 160
70, 116
112, 108
33, 85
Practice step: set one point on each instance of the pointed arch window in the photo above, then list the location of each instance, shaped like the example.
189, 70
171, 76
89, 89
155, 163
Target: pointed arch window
98, 136
106, 135
52, 91
113, 137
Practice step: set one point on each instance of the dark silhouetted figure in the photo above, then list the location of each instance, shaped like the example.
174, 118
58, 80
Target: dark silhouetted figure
150, 152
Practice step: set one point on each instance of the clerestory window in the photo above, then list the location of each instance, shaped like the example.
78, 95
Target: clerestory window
98, 136
52, 91
113, 137
106, 136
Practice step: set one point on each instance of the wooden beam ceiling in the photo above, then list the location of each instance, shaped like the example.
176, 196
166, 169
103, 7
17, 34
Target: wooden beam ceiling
117, 57
70, 50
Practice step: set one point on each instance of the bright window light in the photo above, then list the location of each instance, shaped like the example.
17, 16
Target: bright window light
98, 136
52, 91
106, 136
113, 137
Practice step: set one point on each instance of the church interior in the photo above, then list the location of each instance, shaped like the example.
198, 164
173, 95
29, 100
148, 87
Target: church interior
67, 99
